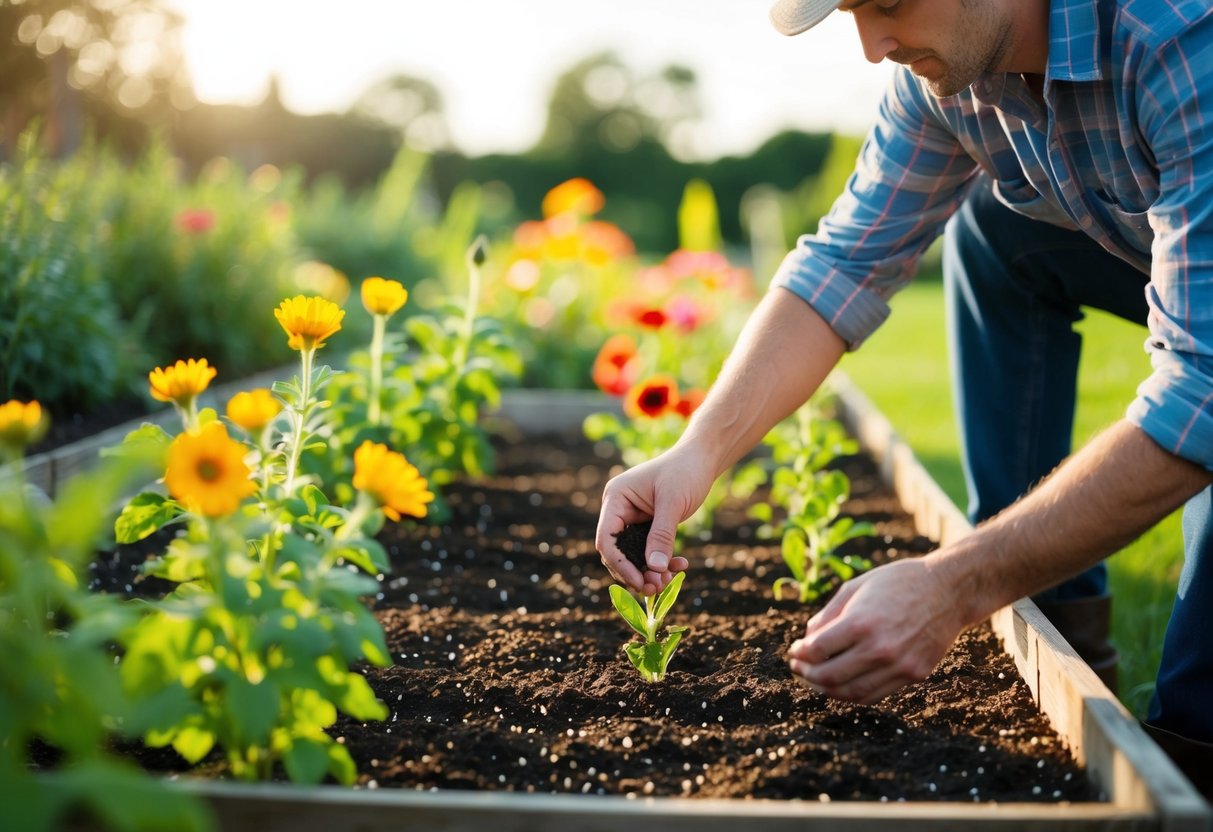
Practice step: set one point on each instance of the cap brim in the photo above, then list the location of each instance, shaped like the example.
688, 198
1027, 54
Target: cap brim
791, 17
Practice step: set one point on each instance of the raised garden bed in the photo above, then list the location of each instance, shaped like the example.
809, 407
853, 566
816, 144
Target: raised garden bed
509, 680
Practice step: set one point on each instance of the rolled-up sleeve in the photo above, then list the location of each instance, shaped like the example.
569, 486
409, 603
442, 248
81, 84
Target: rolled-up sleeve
1174, 405
911, 176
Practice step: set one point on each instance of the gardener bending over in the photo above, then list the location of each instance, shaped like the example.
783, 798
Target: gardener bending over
1067, 145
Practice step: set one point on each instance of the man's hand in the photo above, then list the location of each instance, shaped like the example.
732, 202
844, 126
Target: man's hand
881, 631
666, 490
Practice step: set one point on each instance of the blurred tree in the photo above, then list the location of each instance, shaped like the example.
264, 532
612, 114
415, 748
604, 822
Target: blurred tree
599, 104
408, 105
122, 54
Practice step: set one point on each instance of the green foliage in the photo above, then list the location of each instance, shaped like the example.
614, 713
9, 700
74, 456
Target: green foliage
59, 685
652, 657
439, 377
251, 652
811, 495
194, 264
61, 340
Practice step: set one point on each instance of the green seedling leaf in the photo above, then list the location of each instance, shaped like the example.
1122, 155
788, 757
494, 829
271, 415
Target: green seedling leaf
628, 607
193, 743
670, 645
667, 598
253, 709
795, 552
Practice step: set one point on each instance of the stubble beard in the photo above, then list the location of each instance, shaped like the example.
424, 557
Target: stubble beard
968, 56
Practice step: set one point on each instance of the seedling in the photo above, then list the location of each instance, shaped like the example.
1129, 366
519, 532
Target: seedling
812, 534
651, 657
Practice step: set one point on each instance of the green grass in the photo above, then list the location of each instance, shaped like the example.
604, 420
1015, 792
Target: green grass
903, 369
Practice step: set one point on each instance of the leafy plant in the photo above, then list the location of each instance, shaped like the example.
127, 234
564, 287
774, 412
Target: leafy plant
652, 656
812, 496
60, 690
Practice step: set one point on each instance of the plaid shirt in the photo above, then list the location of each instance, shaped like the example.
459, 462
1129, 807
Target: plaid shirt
1122, 148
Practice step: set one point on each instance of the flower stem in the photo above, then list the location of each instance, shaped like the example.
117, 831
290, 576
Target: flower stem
299, 418
469, 319
374, 415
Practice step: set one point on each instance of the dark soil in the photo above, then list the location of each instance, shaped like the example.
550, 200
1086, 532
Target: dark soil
509, 672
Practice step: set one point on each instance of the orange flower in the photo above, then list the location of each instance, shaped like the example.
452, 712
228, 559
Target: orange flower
387, 476
649, 317
604, 242
615, 367
574, 196
530, 238
654, 397
689, 402
383, 297
21, 424
253, 409
206, 471
308, 322
181, 383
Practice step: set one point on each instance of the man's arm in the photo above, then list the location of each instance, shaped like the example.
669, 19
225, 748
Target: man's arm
784, 353
891, 626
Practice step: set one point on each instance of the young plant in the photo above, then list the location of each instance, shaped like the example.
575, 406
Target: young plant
652, 656
813, 532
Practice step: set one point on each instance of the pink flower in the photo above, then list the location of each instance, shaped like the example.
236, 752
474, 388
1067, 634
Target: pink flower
195, 220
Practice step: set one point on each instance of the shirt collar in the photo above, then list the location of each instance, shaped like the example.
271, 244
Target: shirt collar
1074, 41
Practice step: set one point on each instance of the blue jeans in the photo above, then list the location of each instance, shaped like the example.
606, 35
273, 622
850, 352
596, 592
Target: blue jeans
1014, 289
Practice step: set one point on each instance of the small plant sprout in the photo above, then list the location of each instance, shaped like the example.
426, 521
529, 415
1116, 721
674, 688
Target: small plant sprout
651, 657
812, 534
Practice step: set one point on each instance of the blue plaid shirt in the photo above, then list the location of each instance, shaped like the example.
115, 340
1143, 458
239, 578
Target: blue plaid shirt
1122, 149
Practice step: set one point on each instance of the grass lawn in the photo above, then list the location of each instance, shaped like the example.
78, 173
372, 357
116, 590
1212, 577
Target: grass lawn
903, 369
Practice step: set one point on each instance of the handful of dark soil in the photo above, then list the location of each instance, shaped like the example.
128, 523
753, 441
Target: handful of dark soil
631, 542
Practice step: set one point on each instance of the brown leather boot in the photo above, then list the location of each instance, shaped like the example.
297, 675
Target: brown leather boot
1086, 624
1193, 757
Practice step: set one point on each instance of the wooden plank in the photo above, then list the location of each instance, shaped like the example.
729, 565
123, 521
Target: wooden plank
275, 808
1122, 760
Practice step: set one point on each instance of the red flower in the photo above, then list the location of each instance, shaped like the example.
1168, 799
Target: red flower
653, 397
195, 220
649, 317
689, 402
615, 368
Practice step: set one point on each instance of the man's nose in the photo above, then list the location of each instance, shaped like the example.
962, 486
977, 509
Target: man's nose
875, 37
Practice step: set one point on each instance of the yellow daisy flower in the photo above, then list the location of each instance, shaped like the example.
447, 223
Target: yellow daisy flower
206, 471
383, 297
253, 409
308, 322
181, 383
387, 476
21, 424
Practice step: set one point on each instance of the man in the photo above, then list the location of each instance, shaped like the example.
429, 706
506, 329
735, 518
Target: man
1068, 147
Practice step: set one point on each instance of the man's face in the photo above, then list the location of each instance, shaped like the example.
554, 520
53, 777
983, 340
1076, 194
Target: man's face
947, 43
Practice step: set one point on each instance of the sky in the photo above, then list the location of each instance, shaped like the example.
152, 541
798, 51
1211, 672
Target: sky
495, 62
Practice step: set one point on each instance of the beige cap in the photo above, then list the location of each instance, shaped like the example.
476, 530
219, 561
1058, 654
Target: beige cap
791, 17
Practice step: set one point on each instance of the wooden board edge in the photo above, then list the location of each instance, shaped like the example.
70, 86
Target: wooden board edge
1124, 762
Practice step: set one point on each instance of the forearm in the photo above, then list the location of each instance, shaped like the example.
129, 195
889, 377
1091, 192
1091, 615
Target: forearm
1099, 500
784, 353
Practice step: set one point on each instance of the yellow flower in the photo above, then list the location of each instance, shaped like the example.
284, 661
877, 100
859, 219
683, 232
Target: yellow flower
206, 471
21, 424
388, 477
383, 297
308, 321
253, 409
181, 383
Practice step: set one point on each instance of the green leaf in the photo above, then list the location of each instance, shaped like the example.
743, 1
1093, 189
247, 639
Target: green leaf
667, 597
781, 582
628, 607
761, 512
193, 743
670, 645
306, 760
253, 709
358, 700
144, 514
795, 552
599, 426
341, 765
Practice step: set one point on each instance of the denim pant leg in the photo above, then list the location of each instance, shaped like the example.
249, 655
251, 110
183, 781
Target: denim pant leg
1014, 289
1183, 694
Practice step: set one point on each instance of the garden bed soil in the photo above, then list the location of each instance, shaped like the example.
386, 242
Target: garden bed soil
508, 671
